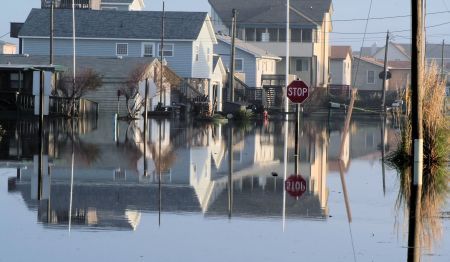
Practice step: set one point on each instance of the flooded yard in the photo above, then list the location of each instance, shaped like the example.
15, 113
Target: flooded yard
112, 193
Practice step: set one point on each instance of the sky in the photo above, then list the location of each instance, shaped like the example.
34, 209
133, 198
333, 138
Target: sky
344, 32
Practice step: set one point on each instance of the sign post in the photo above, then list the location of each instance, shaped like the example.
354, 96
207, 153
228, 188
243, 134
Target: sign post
297, 92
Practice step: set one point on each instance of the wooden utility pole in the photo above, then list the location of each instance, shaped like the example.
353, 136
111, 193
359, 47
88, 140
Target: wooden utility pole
233, 55
52, 12
385, 74
161, 49
417, 68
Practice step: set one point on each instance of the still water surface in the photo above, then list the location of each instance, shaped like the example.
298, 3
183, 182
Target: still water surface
182, 202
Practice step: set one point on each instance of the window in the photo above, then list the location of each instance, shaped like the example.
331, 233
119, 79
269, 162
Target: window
121, 49
296, 35
371, 77
14, 78
307, 35
259, 34
249, 34
273, 34
197, 52
265, 37
168, 50
148, 49
301, 65
239, 64
282, 35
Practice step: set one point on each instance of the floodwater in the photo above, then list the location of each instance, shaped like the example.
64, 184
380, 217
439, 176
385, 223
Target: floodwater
95, 197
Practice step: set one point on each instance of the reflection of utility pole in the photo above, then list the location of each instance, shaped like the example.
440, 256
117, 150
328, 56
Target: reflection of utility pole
385, 77
145, 127
159, 174
41, 134
233, 54
383, 151
230, 172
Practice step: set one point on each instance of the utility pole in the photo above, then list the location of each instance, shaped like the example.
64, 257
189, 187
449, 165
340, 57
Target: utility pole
286, 102
161, 49
386, 50
417, 77
417, 66
145, 127
52, 12
233, 55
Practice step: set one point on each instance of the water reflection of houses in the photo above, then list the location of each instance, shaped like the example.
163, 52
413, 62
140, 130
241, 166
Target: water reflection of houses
111, 191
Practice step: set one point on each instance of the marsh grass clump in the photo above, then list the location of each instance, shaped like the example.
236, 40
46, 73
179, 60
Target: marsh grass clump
436, 152
435, 126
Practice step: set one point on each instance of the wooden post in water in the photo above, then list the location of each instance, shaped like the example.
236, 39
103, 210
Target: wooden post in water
233, 55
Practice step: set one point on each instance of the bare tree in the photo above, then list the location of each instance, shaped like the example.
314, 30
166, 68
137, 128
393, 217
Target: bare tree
85, 81
130, 90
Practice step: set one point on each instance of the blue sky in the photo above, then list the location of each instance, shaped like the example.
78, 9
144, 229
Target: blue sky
17, 11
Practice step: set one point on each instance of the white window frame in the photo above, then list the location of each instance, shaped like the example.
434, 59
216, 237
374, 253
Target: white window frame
143, 49
367, 77
235, 67
117, 44
165, 46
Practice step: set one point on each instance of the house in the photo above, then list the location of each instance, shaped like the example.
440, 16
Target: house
188, 47
115, 72
122, 5
262, 23
251, 62
219, 77
368, 69
341, 65
7, 48
365, 73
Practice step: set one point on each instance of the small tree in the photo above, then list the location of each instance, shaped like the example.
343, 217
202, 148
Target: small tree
85, 81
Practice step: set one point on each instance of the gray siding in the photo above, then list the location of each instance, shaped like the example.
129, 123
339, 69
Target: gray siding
361, 78
181, 62
249, 62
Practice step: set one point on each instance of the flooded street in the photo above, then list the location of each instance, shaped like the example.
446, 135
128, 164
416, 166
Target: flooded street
100, 199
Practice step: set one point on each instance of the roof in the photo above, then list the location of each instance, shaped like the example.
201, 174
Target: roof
248, 48
267, 13
432, 50
115, 24
108, 67
340, 52
370, 60
6, 43
392, 65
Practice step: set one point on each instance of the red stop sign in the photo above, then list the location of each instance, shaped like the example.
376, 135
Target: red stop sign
297, 91
295, 185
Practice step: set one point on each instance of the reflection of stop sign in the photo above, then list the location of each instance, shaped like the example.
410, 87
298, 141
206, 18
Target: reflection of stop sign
295, 185
297, 91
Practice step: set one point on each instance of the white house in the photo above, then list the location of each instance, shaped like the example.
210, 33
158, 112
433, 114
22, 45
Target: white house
341, 65
251, 61
7, 48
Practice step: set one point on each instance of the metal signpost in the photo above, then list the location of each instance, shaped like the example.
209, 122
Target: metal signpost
297, 92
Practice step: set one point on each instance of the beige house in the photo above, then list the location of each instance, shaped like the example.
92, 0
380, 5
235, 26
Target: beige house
262, 23
7, 48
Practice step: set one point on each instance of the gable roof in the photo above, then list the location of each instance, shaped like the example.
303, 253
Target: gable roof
115, 24
340, 52
272, 13
248, 48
